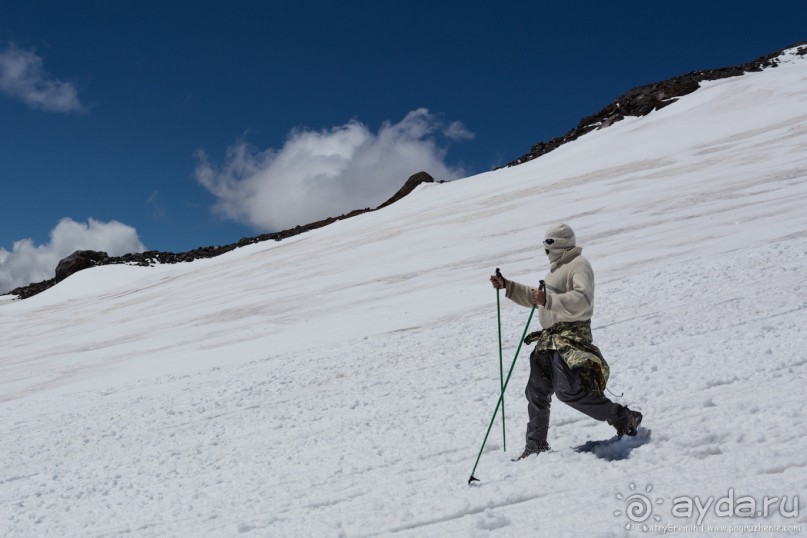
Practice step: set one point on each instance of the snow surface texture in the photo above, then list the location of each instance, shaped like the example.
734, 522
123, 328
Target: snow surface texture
339, 383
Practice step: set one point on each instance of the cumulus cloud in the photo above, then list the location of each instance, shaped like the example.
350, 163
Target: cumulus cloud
22, 76
27, 262
318, 174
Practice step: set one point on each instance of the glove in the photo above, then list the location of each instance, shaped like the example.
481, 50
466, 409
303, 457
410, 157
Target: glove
532, 337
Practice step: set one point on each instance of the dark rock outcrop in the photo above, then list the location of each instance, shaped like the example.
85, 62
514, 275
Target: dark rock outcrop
30, 290
636, 102
82, 259
645, 99
408, 187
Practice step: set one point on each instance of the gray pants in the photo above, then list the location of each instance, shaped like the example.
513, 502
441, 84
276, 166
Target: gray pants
549, 373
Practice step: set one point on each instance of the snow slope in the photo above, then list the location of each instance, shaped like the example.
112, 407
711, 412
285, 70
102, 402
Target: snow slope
339, 383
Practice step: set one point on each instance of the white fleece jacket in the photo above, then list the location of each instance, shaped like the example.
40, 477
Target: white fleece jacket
569, 290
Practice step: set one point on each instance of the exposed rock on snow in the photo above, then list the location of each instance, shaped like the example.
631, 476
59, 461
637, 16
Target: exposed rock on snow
84, 259
80, 259
645, 99
409, 186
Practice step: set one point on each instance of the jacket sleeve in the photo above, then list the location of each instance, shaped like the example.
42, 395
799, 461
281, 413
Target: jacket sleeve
518, 293
578, 299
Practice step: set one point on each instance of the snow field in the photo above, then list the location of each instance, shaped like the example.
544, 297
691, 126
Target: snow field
370, 437
340, 383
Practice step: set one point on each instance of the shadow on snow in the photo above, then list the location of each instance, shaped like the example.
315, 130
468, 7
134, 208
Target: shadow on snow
615, 449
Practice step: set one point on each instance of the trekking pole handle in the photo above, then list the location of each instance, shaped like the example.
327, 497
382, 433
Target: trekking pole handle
499, 275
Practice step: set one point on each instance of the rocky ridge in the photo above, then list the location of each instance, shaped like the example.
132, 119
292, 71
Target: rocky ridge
83, 259
645, 99
639, 101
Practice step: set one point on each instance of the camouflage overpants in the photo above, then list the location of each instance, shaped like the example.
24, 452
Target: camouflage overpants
550, 374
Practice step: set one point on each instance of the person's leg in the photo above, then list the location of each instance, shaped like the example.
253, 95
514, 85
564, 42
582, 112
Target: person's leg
570, 391
539, 396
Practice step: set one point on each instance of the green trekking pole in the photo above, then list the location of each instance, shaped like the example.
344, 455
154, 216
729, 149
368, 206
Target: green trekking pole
501, 371
501, 396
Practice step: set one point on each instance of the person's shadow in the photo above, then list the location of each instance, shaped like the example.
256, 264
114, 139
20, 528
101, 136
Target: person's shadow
615, 449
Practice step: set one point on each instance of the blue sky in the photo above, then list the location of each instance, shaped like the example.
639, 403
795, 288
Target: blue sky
198, 123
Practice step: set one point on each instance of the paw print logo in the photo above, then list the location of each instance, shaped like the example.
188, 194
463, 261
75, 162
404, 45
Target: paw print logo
638, 508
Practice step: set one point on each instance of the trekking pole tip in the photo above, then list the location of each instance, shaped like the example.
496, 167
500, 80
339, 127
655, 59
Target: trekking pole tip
472, 479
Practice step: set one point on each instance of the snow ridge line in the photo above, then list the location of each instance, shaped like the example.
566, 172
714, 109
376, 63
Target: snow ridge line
643, 100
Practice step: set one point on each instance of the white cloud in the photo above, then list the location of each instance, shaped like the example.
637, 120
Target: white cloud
319, 174
457, 131
27, 262
23, 77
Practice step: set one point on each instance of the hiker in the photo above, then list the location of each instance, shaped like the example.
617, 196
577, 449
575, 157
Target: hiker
565, 361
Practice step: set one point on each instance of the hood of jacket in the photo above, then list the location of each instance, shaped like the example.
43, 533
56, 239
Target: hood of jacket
563, 257
558, 240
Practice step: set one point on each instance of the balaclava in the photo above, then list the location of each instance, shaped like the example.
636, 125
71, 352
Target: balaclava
558, 239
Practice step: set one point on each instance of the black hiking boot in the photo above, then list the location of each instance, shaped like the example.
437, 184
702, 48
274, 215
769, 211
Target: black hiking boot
533, 447
630, 426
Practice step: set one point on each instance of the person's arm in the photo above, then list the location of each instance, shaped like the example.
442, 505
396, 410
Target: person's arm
519, 293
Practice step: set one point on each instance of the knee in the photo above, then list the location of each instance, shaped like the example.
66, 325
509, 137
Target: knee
539, 398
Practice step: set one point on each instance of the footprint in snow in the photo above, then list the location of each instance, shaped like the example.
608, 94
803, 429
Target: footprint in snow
490, 520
